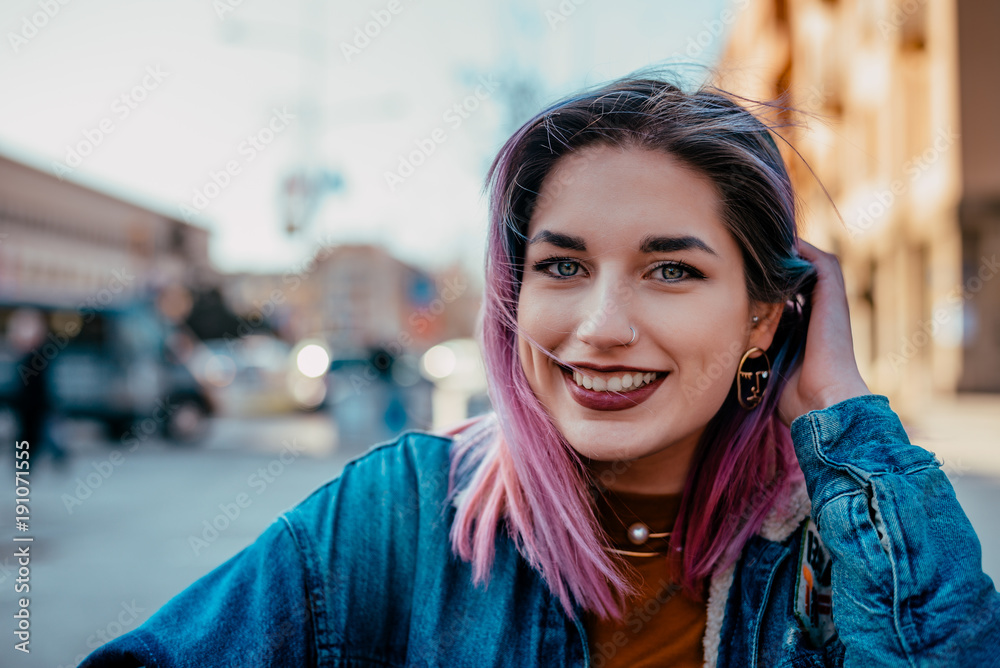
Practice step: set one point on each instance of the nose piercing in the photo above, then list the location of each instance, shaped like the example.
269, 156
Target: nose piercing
633, 337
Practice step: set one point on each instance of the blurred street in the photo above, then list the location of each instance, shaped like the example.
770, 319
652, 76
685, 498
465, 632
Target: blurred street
103, 562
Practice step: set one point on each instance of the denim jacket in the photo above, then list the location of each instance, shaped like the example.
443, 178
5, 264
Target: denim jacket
871, 562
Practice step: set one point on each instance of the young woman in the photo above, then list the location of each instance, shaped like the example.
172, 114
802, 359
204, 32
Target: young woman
652, 327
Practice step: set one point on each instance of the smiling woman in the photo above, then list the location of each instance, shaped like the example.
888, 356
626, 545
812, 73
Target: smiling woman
684, 466
644, 331
649, 253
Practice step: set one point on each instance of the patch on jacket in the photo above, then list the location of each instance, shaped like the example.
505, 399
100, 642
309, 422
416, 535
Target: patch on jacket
812, 590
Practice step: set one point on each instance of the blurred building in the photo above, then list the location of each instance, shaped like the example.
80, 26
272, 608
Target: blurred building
370, 298
378, 316
901, 103
359, 297
63, 243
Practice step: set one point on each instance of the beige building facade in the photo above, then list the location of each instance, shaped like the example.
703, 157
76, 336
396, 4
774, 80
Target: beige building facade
65, 244
894, 172
358, 297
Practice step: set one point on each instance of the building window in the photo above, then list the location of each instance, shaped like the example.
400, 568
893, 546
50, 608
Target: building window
911, 16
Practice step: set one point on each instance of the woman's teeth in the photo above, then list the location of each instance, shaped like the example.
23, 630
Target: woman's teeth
617, 383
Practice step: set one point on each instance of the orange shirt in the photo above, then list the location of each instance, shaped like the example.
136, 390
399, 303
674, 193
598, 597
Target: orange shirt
661, 626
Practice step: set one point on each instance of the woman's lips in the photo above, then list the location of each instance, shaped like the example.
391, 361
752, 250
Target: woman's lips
607, 400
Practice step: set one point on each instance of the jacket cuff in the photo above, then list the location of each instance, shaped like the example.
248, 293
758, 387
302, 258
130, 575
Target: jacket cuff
841, 447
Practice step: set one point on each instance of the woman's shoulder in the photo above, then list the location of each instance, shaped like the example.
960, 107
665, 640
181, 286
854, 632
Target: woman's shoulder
397, 468
789, 511
390, 483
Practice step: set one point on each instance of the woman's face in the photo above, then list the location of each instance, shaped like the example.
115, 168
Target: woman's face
626, 238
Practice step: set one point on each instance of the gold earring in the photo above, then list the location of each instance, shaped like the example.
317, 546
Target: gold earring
751, 383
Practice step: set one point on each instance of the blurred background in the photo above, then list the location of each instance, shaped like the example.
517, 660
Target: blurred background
241, 241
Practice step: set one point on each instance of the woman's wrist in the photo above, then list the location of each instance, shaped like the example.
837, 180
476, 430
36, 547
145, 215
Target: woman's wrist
833, 395
794, 407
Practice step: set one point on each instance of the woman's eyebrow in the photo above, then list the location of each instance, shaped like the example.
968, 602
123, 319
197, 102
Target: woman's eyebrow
651, 244
567, 241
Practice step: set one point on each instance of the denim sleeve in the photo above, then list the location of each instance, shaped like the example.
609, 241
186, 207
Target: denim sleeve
251, 611
908, 585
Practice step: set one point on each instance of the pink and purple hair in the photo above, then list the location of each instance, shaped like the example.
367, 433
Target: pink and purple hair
525, 478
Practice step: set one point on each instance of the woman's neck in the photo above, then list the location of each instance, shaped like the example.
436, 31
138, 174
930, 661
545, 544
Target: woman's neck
663, 472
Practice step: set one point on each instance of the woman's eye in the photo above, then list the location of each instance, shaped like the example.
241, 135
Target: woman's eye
672, 272
567, 268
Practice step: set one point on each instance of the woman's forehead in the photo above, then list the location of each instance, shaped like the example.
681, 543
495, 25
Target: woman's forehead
626, 194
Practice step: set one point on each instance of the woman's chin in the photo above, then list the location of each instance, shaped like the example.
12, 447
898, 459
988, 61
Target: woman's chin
605, 442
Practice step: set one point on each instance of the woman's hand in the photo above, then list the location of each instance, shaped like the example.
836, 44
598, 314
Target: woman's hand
829, 372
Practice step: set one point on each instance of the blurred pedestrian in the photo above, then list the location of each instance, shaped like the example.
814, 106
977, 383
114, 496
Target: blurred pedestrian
26, 330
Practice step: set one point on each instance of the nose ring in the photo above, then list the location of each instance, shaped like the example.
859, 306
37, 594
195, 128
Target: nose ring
633, 337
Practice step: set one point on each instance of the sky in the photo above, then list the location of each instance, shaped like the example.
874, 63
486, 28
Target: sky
204, 109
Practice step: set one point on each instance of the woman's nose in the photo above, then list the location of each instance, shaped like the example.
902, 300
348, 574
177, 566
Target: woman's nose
604, 322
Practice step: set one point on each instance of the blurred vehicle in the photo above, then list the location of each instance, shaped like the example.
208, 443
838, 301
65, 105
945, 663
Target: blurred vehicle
456, 368
261, 374
112, 365
374, 396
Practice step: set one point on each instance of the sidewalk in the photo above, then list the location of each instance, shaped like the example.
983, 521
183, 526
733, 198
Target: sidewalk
963, 431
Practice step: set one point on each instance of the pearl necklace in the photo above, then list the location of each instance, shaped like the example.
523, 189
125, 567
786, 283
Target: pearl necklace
638, 534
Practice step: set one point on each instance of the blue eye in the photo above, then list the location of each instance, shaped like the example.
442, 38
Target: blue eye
567, 268
672, 272
559, 267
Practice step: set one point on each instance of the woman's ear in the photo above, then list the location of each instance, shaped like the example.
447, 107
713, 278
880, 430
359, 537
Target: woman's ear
762, 331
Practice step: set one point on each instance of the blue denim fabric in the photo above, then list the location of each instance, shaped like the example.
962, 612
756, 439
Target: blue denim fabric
908, 585
361, 574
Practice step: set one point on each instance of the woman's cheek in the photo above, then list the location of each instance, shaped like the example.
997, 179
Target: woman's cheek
545, 316
708, 363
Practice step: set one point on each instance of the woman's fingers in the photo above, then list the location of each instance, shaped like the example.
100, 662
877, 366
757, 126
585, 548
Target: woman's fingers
829, 371
827, 266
